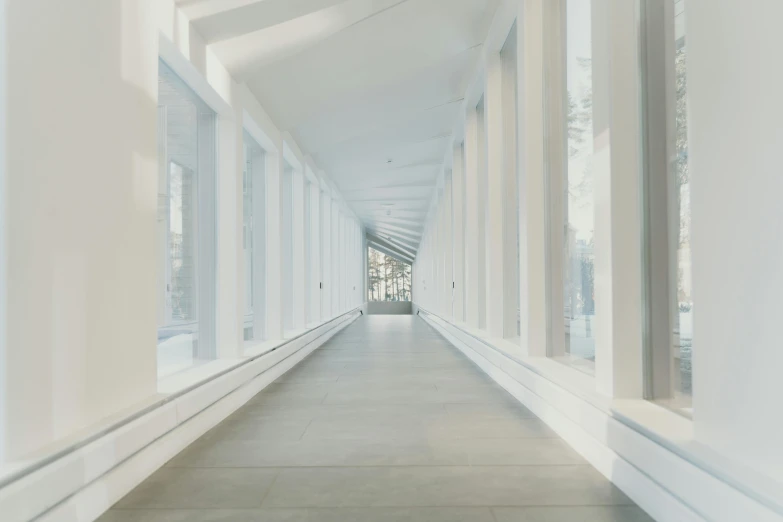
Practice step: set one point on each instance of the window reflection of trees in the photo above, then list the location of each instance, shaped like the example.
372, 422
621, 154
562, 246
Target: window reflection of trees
389, 278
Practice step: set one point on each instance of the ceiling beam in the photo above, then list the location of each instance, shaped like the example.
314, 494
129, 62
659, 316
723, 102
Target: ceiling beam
407, 251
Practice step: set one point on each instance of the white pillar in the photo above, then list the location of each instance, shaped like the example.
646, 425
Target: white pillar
618, 213
274, 246
229, 255
336, 259
510, 115
471, 221
533, 195
260, 247
493, 231
555, 171
326, 255
298, 265
448, 258
315, 253
344, 264
458, 209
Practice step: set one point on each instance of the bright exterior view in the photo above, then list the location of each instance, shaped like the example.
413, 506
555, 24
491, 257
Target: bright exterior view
389, 278
185, 230
579, 239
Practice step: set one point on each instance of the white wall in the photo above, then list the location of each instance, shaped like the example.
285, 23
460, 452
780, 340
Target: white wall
81, 189
735, 159
80, 83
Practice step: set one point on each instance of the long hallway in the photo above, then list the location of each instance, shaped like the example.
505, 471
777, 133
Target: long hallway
387, 421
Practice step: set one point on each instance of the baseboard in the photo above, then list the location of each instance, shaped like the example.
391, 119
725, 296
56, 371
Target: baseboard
668, 487
83, 484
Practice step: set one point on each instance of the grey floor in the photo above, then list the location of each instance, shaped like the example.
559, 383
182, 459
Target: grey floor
386, 422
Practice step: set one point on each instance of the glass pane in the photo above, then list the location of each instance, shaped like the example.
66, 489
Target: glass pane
682, 334
186, 226
182, 243
389, 279
579, 207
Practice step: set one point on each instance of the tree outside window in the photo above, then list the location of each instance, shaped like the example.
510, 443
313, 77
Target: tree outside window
389, 278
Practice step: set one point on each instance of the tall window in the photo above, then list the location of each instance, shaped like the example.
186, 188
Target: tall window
682, 331
389, 278
578, 196
253, 237
508, 59
307, 253
186, 231
669, 339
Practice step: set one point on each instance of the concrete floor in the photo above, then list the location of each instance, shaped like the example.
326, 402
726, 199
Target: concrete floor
386, 422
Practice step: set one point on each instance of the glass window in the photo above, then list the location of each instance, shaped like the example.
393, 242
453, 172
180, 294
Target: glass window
578, 196
669, 324
253, 232
389, 278
186, 231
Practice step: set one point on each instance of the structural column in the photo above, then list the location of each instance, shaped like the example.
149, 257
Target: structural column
493, 232
447, 249
471, 220
274, 245
618, 224
260, 247
229, 252
315, 253
531, 180
336, 259
326, 254
298, 239
458, 223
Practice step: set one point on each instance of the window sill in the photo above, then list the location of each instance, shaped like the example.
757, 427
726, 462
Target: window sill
187, 378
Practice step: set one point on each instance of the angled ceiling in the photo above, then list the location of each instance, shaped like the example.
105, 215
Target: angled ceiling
370, 88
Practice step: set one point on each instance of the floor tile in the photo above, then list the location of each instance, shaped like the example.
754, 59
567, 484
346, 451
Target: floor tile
201, 488
572, 514
387, 422
442, 486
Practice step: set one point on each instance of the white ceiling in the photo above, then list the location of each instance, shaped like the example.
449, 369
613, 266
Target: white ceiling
370, 88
